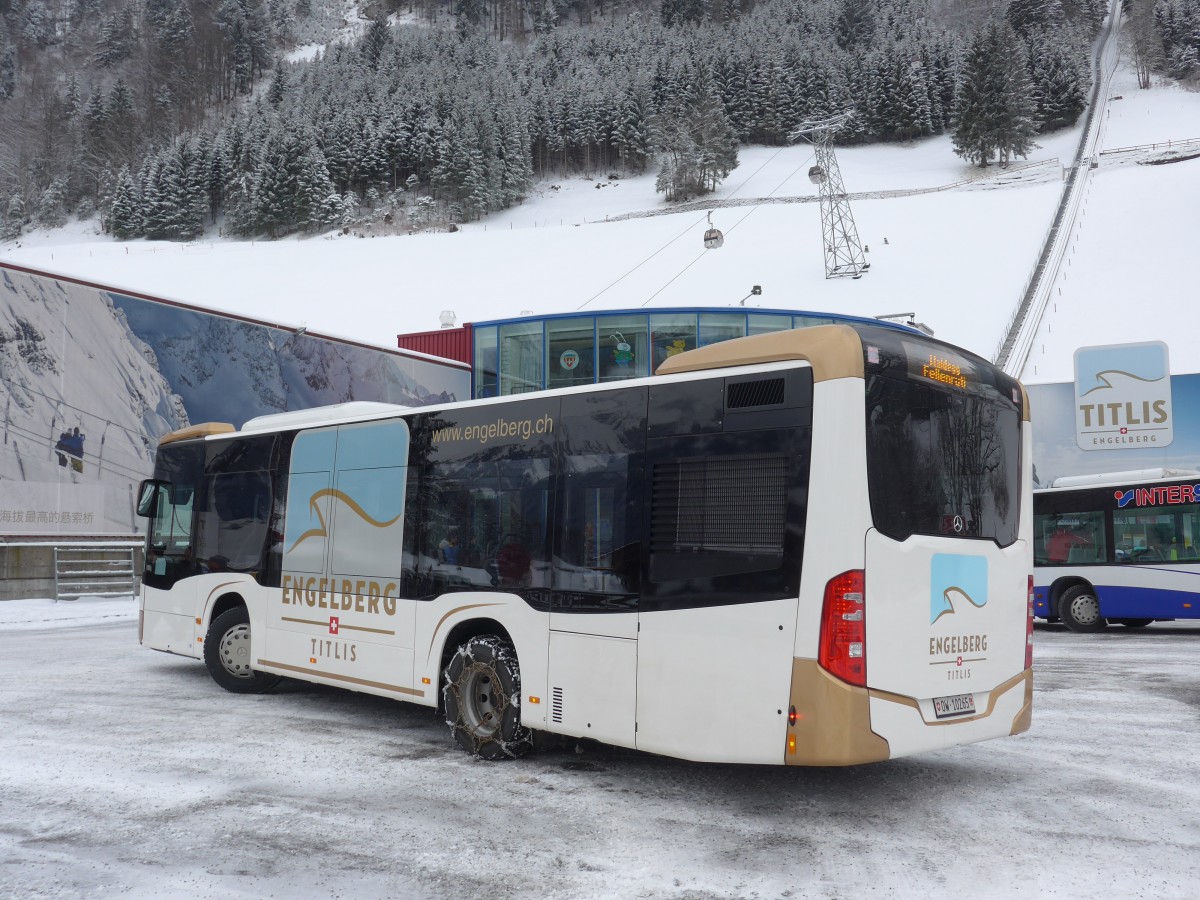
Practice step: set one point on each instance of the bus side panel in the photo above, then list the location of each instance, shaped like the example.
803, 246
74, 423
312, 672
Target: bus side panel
713, 683
169, 618
839, 508
1124, 593
593, 686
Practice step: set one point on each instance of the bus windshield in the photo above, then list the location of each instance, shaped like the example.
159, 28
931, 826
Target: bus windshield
943, 441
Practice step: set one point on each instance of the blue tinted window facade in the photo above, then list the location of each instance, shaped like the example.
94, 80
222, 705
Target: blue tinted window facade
533, 354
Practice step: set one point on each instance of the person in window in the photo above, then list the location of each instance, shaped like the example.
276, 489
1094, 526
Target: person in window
1064, 539
448, 548
513, 561
1160, 543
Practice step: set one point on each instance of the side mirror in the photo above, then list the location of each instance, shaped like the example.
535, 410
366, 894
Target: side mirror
148, 497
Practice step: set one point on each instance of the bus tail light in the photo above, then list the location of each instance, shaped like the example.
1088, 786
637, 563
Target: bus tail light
843, 649
1029, 626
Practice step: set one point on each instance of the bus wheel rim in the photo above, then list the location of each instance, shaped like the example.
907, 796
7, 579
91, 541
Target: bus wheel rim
482, 701
234, 651
1085, 610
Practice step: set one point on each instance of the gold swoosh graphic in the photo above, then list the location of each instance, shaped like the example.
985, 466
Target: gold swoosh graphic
956, 589
1108, 384
323, 529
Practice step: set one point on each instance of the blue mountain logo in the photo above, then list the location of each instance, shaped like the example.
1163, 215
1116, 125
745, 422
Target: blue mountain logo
953, 575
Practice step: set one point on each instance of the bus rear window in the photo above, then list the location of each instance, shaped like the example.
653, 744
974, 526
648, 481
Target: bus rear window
942, 460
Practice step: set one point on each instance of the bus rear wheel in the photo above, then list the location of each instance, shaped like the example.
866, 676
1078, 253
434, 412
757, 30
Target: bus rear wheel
481, 694
227, 654
1079, 610
1133, 623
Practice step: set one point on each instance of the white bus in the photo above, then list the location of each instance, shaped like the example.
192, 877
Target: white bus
1122, 547
806, 547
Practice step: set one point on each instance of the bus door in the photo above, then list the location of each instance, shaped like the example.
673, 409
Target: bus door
169, 607
339, 616
593, 649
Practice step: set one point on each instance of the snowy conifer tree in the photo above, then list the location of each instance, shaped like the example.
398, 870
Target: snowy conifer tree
14, 218
1059, 77
8, 69
51, 209
994, 107
125, 217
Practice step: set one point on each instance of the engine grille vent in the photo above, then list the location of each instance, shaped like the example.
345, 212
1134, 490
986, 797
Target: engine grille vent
764, 392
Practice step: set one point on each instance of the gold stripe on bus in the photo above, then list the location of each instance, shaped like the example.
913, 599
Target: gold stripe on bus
386, 631
997, 692
322, 624
457, 609
325, 624
346, 678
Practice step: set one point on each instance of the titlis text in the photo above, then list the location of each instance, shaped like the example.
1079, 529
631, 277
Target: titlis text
327, 649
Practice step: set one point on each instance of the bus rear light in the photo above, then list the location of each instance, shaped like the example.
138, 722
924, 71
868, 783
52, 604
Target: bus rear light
1029, 627
791, 744
792, 717
843, 647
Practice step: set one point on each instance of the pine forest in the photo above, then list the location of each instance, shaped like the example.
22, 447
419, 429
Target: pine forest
167, 118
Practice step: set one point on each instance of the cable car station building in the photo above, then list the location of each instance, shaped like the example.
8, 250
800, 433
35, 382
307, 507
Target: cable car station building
533, 353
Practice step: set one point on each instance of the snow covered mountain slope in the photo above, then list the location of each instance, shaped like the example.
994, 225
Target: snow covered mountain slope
83, 403
91, 379
230, 371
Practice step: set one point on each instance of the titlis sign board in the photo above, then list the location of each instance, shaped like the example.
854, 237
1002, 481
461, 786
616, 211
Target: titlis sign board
1123, 397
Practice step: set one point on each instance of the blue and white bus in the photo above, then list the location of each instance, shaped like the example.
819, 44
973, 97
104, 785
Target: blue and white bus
1119, 548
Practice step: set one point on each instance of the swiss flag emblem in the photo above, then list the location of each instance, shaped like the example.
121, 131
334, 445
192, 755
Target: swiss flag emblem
1124, 431
333, 625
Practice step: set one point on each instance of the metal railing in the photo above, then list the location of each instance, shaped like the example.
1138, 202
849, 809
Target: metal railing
94, 570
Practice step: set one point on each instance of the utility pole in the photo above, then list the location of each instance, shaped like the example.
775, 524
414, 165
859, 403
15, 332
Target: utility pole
843, 250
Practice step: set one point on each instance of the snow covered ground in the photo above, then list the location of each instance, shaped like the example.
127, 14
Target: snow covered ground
130, 772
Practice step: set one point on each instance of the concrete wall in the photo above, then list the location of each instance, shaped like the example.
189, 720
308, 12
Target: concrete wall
27, 568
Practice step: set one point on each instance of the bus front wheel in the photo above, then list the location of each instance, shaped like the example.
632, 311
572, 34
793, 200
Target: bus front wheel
1079, 610
481, 693
227, 654
1133, 623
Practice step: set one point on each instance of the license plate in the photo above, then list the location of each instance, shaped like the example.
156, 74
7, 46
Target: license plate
958, 705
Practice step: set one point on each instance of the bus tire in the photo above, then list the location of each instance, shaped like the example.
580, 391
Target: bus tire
1133, 623
1079, 609
227, 654
481, 694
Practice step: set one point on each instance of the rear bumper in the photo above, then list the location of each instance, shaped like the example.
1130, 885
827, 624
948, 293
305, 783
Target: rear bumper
838, 724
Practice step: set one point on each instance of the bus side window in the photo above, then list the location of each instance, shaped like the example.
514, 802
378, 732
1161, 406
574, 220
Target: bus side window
233, 528
598, 550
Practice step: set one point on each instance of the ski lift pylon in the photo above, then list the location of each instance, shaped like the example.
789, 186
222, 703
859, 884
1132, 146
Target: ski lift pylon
713, 237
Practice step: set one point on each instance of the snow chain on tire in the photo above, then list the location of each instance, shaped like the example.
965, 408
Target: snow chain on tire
481, 694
